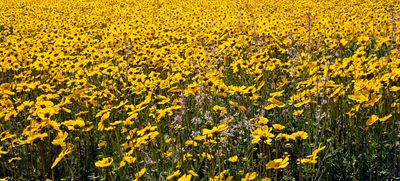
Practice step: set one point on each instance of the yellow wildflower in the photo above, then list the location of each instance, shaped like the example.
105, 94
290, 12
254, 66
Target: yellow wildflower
278, 163
105, 162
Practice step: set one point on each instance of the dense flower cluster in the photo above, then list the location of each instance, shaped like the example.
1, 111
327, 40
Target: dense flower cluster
198, 89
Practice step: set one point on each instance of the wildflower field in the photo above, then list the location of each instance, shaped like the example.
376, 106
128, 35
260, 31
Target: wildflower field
199, 90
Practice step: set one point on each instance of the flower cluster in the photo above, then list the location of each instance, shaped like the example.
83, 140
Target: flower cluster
187, 90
